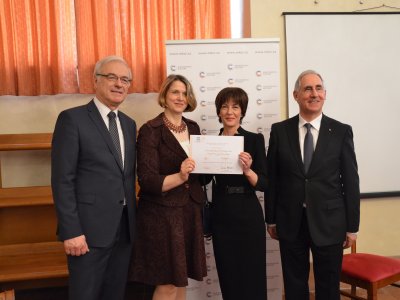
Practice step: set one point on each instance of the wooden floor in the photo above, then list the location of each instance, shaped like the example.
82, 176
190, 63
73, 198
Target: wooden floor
386, 293
137, 292
133, 292
142, 292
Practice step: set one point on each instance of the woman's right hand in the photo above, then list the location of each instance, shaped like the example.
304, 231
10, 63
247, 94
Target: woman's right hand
176, 179
187, 167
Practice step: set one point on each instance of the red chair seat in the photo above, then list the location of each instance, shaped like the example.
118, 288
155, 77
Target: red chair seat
369, 267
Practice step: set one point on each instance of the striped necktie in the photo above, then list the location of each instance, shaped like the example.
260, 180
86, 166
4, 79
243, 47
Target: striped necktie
114, 135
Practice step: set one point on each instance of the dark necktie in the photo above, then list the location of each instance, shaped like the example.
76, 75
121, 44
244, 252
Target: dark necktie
308, 147
114, 134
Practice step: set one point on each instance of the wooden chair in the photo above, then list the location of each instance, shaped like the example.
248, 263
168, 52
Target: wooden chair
7, 295
370, 272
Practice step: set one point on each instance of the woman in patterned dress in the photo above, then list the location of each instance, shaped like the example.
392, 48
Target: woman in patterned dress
169, 245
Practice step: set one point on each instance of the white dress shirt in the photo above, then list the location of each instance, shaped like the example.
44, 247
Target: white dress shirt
315, 126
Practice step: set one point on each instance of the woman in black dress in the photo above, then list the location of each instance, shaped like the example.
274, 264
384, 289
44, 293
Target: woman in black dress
239, 230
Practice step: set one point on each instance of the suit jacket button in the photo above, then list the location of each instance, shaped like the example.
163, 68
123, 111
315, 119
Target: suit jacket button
187, 185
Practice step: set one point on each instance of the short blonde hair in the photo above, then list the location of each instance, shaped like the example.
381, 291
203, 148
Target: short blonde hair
191, 99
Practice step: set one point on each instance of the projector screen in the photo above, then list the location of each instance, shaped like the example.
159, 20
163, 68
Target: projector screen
358, 56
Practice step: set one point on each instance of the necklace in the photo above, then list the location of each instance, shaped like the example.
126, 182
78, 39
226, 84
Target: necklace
174, 128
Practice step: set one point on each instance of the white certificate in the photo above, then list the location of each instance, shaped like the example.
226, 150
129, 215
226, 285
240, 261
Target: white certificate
216, 154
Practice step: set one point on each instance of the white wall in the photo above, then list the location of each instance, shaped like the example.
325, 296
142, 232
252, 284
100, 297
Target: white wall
380, 222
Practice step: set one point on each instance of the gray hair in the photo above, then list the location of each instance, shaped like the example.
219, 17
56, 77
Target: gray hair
108, 59
307, 72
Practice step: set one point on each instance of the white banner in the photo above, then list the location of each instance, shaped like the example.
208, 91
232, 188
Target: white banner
211, 65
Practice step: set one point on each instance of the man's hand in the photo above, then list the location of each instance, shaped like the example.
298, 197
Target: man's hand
350, 239
76, 246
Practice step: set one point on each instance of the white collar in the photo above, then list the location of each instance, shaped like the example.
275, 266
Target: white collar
316, 123
103, 109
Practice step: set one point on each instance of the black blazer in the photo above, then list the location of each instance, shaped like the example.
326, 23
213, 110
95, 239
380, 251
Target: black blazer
88, 183
330, 189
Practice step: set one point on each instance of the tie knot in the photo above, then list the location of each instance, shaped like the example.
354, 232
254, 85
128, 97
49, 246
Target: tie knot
308, 126
112, 115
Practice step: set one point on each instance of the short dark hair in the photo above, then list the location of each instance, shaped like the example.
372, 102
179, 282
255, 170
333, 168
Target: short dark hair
191, 98
237, 95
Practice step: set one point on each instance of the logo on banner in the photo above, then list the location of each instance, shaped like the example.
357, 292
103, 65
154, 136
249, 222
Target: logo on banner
212, 67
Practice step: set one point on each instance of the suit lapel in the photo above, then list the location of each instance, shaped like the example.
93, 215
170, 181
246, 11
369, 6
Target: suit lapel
127, 139
293, 137
94, 114
171, 142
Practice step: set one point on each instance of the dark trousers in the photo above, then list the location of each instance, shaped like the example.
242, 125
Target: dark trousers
239, 246
102, 272
327, 264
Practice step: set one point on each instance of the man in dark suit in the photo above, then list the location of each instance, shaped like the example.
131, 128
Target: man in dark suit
93, 182
313, 200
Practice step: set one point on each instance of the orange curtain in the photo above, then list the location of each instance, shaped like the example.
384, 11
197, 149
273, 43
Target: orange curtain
137, 31
51, 46
38, 48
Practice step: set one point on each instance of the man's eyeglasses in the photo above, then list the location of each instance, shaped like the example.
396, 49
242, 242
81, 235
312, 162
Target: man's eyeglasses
114, 78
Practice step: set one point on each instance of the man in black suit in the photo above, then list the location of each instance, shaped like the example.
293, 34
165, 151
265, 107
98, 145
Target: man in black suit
312, 206
93, 183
